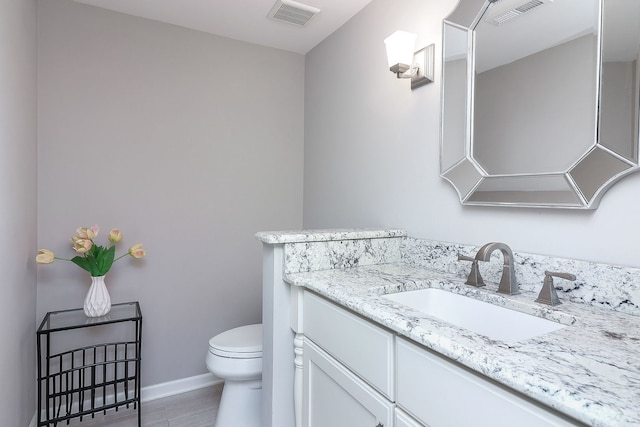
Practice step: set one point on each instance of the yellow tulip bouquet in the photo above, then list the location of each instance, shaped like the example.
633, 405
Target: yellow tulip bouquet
96, 259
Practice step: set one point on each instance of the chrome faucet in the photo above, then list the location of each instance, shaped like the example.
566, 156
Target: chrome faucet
508, 284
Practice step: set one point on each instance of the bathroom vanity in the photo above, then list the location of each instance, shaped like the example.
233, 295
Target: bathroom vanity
367, 375
341, 353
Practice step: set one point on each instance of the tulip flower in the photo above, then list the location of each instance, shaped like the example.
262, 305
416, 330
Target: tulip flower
95, 259
115, 235
45, 256
87, 233
136, 251
80, 245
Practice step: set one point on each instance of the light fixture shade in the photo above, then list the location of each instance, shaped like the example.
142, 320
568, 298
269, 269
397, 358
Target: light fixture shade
400, 48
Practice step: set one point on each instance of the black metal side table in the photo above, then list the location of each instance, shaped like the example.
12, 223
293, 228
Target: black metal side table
79, 381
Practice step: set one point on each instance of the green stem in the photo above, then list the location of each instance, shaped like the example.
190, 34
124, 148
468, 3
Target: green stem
121, 256
63, 259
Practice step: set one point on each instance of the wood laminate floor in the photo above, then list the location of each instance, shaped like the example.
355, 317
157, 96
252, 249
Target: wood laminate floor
193, 409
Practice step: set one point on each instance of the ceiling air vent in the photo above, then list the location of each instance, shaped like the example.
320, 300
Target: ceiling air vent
504, 11
292, 12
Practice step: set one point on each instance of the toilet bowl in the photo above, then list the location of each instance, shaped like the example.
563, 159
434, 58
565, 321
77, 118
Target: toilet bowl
236, 357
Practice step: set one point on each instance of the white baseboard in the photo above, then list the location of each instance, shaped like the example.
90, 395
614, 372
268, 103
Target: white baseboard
171, 388
183, 385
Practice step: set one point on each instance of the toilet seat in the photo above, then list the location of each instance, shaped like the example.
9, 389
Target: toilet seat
244, 342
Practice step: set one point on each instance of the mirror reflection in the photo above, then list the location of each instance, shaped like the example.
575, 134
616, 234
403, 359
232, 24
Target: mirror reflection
619, 97
540, 100
535, 87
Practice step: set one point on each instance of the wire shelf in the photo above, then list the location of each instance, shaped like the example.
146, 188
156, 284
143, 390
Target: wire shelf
84, 381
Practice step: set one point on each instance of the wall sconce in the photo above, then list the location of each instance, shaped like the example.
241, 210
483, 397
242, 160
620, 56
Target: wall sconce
407, 64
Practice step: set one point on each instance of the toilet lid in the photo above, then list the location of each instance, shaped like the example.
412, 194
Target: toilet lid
245, 341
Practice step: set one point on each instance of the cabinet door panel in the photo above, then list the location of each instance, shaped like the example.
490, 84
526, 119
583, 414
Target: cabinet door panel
404, 420
333, 396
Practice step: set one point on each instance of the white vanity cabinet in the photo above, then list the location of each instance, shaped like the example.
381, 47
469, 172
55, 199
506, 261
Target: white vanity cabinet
348, 368
357, 374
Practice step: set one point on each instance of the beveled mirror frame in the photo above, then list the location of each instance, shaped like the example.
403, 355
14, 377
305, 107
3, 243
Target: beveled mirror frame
581, 186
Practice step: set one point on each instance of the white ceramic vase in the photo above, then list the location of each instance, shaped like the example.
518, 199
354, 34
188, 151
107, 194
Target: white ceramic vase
98, 302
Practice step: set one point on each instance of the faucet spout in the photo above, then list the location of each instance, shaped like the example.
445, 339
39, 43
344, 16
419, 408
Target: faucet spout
508, 283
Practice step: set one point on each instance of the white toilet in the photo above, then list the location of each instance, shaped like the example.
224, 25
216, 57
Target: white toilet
236, 357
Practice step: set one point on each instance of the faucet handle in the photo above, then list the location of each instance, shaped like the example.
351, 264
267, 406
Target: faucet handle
548, 294
567, 276
474, 278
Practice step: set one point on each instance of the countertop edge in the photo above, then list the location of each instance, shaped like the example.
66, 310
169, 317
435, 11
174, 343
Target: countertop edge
301, 236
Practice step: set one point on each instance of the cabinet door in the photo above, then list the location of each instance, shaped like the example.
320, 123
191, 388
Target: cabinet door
404, 420
333, 396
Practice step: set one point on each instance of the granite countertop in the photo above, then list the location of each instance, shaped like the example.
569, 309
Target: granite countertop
589, 370
324, 235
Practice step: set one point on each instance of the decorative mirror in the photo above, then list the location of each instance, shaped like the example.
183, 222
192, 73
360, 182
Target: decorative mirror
540, 100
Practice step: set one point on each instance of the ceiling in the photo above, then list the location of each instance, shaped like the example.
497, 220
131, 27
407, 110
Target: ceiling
244, 20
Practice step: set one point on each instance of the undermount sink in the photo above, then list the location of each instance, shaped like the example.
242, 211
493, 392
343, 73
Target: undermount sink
486, 319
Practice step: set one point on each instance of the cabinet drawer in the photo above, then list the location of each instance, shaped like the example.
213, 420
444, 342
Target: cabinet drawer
434, 390
361, 346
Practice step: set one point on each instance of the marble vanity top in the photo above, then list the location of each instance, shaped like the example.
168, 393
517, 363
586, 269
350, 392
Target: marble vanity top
296, 236
589, 370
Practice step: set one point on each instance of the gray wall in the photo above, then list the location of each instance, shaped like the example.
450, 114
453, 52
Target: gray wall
372, 149
189, 143
17, 210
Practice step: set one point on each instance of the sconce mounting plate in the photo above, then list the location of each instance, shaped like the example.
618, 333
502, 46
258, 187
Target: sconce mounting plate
424, 58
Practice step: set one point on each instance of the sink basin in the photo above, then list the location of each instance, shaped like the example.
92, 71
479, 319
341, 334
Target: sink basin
487, 319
